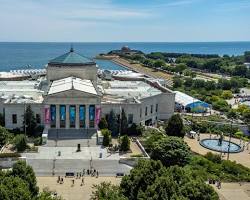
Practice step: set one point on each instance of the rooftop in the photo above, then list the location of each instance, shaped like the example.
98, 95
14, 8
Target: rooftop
70, 83
71, 58
133, 91
21, 91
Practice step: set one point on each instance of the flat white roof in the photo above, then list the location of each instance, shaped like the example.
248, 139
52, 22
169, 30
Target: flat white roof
21, 91
184, 99
70, 83
123, 90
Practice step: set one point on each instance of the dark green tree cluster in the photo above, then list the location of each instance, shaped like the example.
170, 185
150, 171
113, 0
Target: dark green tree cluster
171, 151
106, 137
5, 136
150, 180
103, 124
175, 126
20, 184
29, 121
125, 143
20, 142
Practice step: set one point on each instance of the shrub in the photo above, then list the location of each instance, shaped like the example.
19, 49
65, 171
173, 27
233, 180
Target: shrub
103, 124
9, 155
38, 141
125, 143
106, 137
213, 157
20, 142
175, 126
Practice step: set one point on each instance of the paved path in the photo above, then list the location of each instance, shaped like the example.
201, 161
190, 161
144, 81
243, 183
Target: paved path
234, 191
76, 192
242, 157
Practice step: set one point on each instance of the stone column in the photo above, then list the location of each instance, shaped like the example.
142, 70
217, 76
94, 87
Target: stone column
67, 116
57, 116
77, 117
87, 116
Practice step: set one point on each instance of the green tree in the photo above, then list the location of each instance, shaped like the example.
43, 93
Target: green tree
26, 173
175, 126
227, 94
103, 124
47, 195
240, 70
30, 121
106, 137
2, 120
113, 125
171, 151
177, 82
20, 142
107, 191
14, 188
124, 123
247, 56
125, 143
159, 64
5, 135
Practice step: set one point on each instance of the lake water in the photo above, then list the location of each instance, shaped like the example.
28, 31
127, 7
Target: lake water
19, 55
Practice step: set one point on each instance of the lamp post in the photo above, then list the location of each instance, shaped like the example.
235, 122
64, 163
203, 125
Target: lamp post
230, 135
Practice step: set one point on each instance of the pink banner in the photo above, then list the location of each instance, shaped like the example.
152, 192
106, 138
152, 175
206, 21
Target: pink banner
46, 115
97, 115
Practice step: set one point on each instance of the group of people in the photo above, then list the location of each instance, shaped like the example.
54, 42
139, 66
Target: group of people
80, 175
216, 182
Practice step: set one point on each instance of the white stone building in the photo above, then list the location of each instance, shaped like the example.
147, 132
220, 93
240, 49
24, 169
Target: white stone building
71, 96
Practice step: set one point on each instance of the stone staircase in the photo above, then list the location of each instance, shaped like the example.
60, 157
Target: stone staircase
71, 137
58, 167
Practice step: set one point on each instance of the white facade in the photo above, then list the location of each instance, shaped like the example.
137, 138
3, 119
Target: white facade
70, 86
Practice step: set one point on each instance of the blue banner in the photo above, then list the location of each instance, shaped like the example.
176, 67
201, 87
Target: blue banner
62, 112
92, 112
82, 113
72, 114
53, 113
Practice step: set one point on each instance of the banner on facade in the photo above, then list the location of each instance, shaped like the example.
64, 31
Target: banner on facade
98, 115
46, 115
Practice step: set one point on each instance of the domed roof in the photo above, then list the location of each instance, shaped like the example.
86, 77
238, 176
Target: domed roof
71, 58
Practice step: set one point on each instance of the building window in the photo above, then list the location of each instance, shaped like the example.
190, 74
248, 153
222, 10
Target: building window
146, 111
156, 108
62, 116
14, 119
151, 109
72, 116
82, 116
130, 118
38, 119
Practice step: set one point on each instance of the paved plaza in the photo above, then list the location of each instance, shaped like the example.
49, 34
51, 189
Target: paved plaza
74, 192
58, 160
242, 157
234, 191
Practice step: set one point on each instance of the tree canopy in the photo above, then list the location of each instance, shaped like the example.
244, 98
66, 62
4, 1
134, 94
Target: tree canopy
171, 151
175, 126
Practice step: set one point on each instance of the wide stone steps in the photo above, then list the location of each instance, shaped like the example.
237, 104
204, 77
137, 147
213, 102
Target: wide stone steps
58, 167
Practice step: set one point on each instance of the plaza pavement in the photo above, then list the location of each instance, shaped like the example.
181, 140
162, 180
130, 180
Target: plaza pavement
234, 191
242, 157
76, 192
48, 162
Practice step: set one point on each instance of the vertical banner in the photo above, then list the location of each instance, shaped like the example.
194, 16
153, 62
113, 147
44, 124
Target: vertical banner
62, 112
53, 113
92, 112
46, 115
97, 115
72, 116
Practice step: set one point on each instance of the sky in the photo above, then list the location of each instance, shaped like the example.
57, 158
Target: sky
124, 20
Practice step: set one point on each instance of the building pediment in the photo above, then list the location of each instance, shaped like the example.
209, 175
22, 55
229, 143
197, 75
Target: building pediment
72, 84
